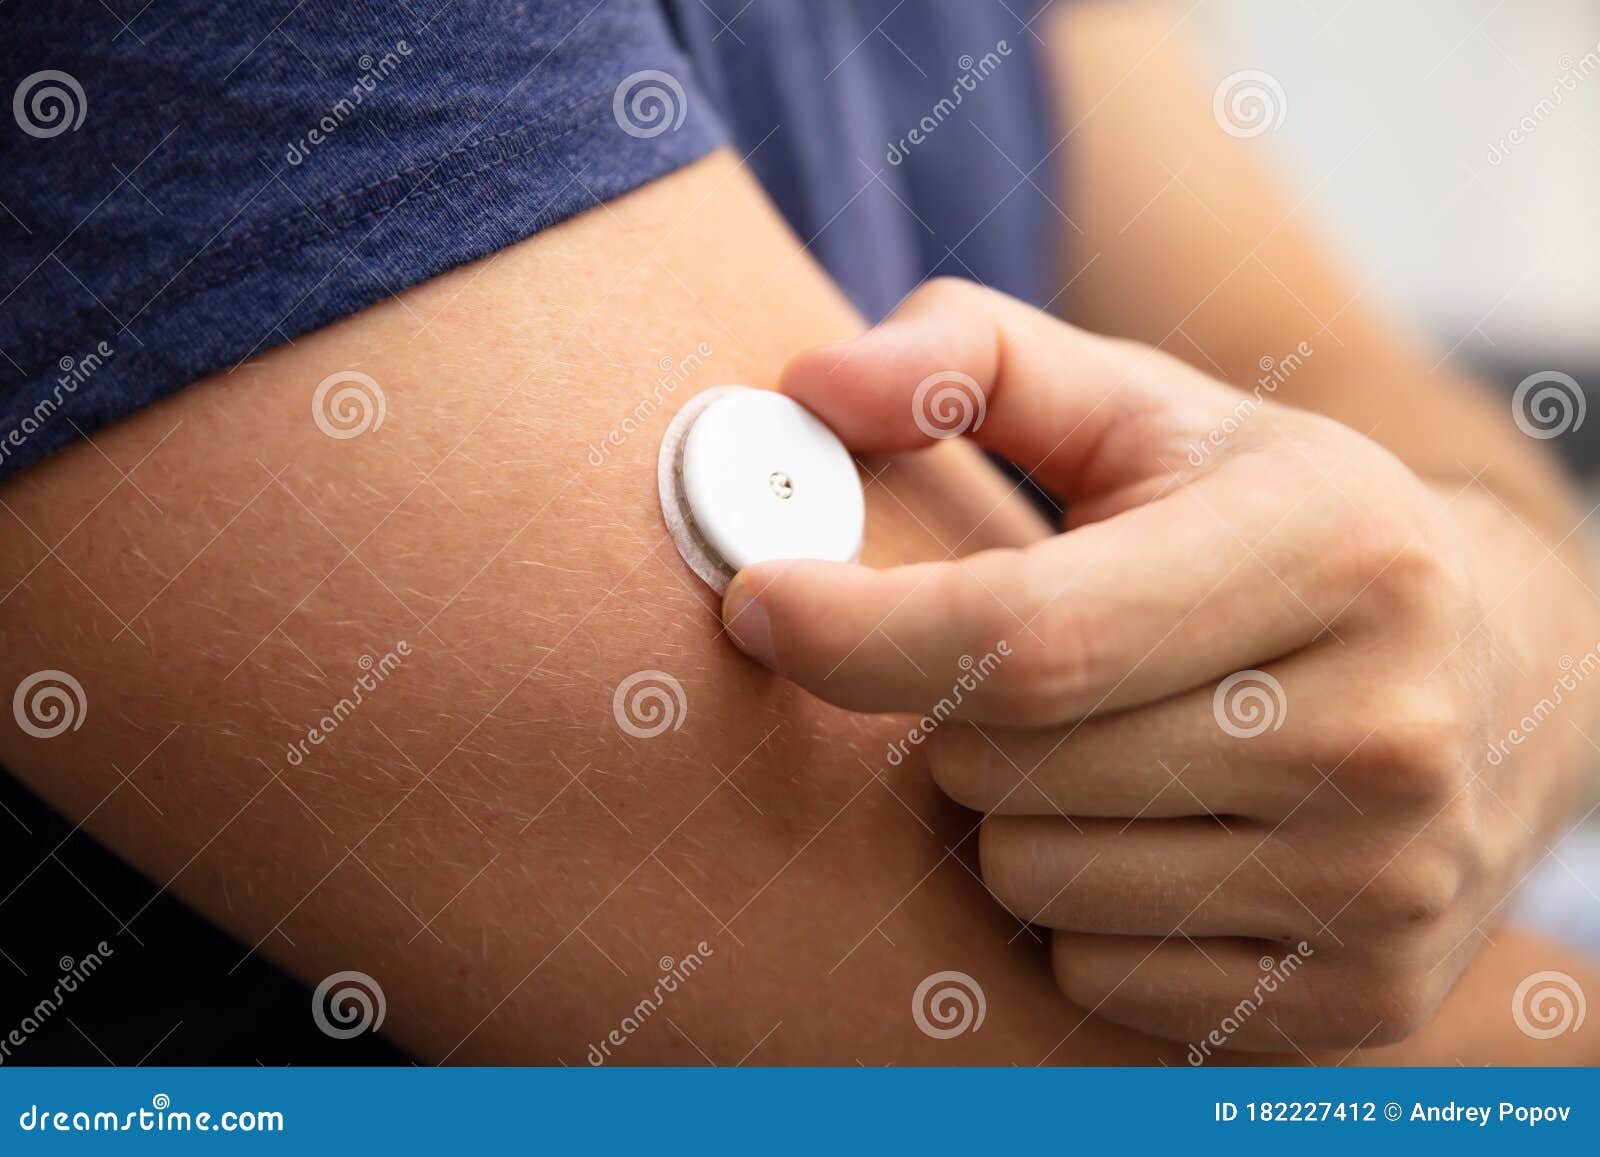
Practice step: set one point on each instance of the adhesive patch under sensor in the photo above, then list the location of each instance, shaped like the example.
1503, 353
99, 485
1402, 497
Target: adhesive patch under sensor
748, 476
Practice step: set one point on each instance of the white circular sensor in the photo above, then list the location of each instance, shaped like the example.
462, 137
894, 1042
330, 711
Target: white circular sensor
749, 476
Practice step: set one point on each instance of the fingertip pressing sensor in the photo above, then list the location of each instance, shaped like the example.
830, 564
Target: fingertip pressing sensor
748, 476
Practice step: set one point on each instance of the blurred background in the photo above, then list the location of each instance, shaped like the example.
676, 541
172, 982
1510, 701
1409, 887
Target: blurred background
1451, 150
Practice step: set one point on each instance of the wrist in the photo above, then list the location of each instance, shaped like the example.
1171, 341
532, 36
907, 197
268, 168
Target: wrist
1539, 620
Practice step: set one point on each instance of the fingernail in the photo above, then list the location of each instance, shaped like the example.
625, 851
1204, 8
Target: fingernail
748, 623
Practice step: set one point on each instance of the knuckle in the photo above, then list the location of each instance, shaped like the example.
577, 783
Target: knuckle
1051, 649
1022, 688
1062, 651
1418, 579
992, 630
1057, 668
1415, 893
1415, 749
944, 290
1397, 571
1396, 1003
1363, 549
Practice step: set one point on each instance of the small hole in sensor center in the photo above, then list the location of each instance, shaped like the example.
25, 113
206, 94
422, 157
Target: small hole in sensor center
782, 485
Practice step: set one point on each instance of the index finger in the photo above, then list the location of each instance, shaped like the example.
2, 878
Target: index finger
1084, 413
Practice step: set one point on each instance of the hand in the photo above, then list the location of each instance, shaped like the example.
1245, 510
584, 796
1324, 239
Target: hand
1233, 731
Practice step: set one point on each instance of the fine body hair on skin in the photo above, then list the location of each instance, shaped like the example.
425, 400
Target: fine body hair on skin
481, 835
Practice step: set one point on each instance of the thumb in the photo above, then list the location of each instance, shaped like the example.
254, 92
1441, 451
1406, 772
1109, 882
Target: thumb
959, 359
872, 640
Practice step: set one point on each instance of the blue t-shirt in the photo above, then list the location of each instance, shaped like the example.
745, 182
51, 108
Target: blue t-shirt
185, 187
